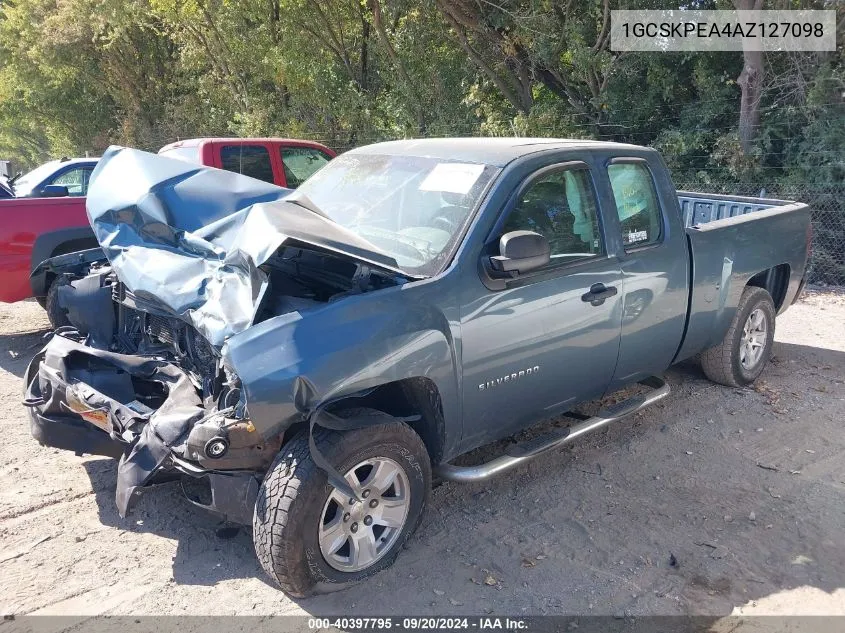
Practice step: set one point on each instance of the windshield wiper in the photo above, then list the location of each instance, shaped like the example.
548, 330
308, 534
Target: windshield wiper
301, 200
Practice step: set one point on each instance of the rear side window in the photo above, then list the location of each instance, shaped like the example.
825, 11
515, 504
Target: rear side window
300, 163
636, 204
249, 160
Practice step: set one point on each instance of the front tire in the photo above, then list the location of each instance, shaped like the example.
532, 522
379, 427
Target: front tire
308, 537
56, 314
742, 355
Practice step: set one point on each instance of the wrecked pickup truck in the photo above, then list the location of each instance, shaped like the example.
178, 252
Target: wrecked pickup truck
306, 362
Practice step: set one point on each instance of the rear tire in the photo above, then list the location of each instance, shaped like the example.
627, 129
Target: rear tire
742, 355
56, 315
302, 526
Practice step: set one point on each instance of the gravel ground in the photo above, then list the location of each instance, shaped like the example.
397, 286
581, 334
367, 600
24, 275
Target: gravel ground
714, 501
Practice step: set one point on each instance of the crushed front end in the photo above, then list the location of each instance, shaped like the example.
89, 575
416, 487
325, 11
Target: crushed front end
192, 258
149, 389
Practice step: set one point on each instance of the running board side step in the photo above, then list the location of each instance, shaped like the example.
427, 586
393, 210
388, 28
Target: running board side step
524, 451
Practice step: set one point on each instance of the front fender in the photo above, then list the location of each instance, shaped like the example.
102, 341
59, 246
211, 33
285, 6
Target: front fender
292, 364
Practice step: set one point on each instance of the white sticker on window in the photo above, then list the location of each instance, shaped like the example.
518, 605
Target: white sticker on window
452, 178
637, 236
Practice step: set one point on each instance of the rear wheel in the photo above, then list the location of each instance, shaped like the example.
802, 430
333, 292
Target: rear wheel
309, 536
742, 355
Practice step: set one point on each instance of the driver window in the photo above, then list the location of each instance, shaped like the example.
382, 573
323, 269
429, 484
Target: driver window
76, 181
561, 207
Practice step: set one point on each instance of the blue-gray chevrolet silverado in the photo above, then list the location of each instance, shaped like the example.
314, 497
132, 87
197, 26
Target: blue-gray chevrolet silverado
309, 362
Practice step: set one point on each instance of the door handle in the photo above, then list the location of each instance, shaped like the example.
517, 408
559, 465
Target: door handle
598, 293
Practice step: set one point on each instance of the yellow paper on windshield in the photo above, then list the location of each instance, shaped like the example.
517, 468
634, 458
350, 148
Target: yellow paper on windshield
452, 178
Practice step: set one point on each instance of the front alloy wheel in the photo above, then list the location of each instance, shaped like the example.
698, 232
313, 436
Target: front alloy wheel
310, 537
356, 534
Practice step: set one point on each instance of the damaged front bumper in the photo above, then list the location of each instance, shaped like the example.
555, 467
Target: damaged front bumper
147, 412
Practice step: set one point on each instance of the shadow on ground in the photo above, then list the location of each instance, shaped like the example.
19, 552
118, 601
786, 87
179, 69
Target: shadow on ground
712, 498
202, 557
16, 350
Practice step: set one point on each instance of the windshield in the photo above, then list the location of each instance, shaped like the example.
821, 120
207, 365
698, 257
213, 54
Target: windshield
410, 207
26, 183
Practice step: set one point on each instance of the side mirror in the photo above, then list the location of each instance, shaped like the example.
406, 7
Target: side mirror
54, 191
521, 252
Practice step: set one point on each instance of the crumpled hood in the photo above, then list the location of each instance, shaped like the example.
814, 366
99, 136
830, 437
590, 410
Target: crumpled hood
189, 239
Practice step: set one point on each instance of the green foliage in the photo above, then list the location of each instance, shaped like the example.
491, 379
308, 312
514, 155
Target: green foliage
77, 75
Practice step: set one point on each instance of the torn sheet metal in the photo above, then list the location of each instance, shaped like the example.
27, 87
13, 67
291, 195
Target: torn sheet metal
189, 240
147, 404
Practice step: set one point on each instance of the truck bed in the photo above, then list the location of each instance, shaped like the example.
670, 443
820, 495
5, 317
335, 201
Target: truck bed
734, 241
701, 208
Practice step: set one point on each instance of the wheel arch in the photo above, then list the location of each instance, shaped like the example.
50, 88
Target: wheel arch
415, 400
775, 281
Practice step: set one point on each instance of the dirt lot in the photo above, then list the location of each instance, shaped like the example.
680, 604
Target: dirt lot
714, 500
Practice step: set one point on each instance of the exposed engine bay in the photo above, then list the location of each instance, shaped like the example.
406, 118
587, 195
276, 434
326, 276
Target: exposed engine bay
168, 400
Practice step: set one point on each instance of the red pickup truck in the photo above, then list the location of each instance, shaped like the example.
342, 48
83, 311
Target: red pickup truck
35, 229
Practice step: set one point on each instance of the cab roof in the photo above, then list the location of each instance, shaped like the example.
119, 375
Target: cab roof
496, 151
234, 140
88, 160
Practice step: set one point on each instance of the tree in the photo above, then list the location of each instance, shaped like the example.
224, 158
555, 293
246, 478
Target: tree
750, 81
563, 48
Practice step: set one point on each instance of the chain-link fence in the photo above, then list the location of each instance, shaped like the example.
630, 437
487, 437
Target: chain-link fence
827, 201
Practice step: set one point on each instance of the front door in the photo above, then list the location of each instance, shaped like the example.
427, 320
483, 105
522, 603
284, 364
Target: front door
534, 346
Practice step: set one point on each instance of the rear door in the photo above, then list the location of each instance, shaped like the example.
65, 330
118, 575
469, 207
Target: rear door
250, 158
535, 345
655, 265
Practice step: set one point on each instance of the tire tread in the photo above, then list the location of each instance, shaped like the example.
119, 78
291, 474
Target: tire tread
717, 362
286, 478
55, 314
